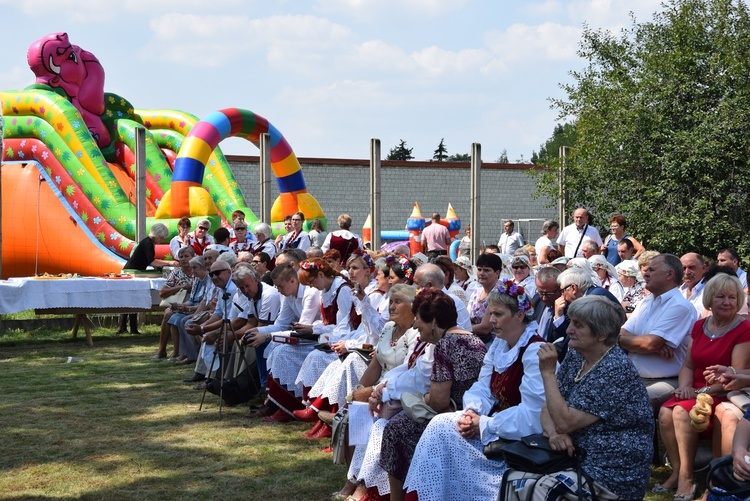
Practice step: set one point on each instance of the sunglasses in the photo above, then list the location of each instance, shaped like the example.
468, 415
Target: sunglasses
202, 228
216, 273
240, 229
548, 294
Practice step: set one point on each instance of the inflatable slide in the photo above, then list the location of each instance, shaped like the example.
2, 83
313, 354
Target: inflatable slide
68, 168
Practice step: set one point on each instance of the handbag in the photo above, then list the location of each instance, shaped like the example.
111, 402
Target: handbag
339, 431
533, 454
177, 297
740, 398
416, 408
389, 409
494, 450
721, 482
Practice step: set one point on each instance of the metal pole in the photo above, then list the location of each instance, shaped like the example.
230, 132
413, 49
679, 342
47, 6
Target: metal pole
140, 184
265, 178
375, 192
476, 168
561, 212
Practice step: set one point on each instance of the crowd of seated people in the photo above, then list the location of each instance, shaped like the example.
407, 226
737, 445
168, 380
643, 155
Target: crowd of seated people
589, 349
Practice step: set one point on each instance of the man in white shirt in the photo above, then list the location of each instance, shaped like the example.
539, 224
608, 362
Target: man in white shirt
430, 275
511, 240
259, 304
657, 333
300, 305
570, 241
691, 288
221, 275
729, 257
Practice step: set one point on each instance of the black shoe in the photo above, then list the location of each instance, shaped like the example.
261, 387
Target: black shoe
121, 332
136, 332
200, 386
195, 379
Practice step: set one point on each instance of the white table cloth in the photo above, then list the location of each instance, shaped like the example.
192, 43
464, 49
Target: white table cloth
19, 294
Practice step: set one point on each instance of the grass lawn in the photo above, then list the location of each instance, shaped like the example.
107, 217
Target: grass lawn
122, 426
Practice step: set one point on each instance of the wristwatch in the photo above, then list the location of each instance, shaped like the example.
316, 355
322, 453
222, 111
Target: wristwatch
705, 389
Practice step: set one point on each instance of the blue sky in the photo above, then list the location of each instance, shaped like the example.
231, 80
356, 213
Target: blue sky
331, 74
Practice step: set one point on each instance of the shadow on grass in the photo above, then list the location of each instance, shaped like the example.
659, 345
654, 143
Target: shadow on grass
121, 426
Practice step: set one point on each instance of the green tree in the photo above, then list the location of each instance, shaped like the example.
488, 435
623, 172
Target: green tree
400, 152
663, 127
460, 157
441, 153
503, 158
563, 135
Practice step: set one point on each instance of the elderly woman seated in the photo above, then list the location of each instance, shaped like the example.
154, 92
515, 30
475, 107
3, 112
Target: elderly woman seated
180, 279
607, 275
182, 312
523, 275
596, 408
457, 356
397, 339
632, 285
720, 339
504, 403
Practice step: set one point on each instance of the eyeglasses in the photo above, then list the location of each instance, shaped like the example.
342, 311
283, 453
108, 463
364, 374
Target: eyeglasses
240, 229
202, 228
548, 294
566, 287
255, 263
519, 267
216, 273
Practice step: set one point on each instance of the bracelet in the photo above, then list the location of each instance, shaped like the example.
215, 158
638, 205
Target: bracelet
730, 368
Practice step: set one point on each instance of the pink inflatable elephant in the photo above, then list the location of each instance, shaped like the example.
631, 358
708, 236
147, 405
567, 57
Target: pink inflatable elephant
57, 63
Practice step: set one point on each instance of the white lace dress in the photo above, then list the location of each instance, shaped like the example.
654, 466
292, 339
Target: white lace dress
447, 466
284, 362
341, 376
365, 465
317, 361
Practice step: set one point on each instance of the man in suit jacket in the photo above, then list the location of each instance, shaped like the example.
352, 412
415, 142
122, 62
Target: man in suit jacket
574, 284
547, 292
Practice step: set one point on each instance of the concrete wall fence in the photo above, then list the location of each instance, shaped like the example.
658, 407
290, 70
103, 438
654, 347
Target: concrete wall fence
342, 186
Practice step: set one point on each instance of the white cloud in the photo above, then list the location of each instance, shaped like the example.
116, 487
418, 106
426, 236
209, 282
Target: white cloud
16, 79
543, 42
605, 14
378, 10
98, 11
438, 62
217, 40
341, 94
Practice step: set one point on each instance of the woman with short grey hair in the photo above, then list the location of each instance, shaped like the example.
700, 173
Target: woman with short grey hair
264, 244
596, 406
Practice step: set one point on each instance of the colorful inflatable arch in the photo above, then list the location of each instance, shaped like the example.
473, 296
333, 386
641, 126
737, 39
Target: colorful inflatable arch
81, 139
